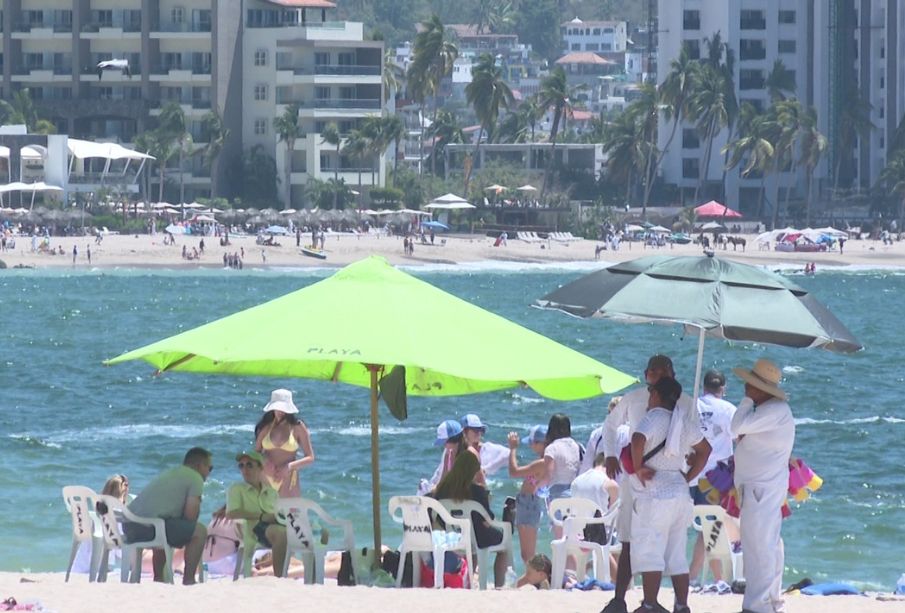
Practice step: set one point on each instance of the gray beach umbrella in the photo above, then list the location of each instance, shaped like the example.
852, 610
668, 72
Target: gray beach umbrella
721, 298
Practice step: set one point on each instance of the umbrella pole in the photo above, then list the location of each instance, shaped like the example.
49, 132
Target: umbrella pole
375, 463
697, 370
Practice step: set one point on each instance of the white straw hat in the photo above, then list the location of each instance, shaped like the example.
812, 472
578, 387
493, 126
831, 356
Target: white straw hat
765, 376
281, 400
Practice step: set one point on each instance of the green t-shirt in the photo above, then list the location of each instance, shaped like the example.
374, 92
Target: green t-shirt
166, 495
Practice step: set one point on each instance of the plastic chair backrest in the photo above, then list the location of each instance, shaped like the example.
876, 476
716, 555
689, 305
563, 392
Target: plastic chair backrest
579, 508
416, 521
713, 528
109, 513
80, 501
299, 533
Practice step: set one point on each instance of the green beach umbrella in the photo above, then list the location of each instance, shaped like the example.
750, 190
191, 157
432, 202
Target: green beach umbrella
357, 325
720, 298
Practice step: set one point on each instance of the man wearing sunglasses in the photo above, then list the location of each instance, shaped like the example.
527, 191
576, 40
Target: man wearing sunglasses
254, 501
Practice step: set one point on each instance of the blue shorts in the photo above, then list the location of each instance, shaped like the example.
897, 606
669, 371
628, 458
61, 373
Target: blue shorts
528, 509
260, 531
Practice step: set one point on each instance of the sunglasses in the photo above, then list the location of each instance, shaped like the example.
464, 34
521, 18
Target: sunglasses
244, 465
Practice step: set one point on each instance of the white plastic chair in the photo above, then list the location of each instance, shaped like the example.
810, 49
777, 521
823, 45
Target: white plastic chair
418, 535
116, 513
464, 509
80, 503
573, 514
300, 535
242, 556
711, 521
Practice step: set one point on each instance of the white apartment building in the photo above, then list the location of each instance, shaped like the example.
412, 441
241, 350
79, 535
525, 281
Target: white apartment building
759, 32
244, 59
830, 47
596, 36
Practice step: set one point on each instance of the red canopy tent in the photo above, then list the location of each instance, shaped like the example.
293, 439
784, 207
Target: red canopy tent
715, 209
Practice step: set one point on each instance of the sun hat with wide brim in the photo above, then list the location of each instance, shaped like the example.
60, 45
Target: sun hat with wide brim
281, 400
765, 376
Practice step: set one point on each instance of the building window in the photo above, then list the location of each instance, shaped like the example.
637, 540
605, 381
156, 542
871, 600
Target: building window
751, 79
786, 16
322, 93
694, 49
260, 126
592, 47
177, 15
261, 91
576, 46
752, 49
882, 82
606, 47
882, 142
690, 168
596, 31
608, 30
882, 112
261, 57
882, 53
787, 46
690, 139
691, 20
752, 20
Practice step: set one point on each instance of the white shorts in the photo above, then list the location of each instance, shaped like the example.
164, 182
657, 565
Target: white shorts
660, 535
624, 521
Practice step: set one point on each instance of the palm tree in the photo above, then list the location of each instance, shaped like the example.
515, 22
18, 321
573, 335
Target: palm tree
433, 56
392, 75
893, 176
488, 93
444, 131
780, 81
555, 94
22, 110
855, 123
752, 146
331, 136
216, 134
171, 131
357, 148
501, 17
480, 17
789, 114
288, 129
646, 111
675, 94
625, 150
393, 130
813, 145
709, 109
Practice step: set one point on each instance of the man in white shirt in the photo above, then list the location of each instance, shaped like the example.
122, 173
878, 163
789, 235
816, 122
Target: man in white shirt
765, 429
716, 423
595, 441
630, 410
662, 507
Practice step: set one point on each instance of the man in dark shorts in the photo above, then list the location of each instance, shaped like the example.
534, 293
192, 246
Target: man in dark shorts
254, 501
175, 497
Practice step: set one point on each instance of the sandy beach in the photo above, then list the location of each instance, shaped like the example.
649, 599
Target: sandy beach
269, 594
149, 251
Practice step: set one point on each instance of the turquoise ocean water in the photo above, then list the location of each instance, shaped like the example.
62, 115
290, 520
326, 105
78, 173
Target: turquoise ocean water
66, 419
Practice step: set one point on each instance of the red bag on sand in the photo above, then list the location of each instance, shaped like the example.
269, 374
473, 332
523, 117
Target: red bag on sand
454, 579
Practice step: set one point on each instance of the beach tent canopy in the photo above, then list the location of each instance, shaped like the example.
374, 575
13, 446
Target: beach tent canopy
715, 209
38, 186
452, 206
318, 332
713, 225
526, 188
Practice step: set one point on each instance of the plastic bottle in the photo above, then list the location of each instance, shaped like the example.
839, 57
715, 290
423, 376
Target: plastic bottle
512, 578
900, 585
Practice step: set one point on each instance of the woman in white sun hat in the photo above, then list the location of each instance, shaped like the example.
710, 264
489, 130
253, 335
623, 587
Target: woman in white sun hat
278, 436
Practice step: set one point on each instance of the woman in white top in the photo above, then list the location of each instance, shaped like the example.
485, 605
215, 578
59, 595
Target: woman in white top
562, 459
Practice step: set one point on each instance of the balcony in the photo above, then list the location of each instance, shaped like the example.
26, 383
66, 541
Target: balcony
45, 73
182, 29
192, 73
342, 103
42, 29
107, 29
753, 23
751, 83
344, 69
752, 53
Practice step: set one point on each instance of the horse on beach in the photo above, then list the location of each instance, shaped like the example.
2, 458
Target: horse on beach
735, 241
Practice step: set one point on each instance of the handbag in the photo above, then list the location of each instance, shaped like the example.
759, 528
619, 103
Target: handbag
625, 456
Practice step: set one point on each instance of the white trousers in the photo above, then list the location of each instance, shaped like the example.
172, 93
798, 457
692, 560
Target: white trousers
762, 549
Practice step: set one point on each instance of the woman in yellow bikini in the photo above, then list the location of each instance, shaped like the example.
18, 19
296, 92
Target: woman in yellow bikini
279, 436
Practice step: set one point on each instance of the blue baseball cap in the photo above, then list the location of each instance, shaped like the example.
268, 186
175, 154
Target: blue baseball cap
473, 421
446, 431
537, 434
